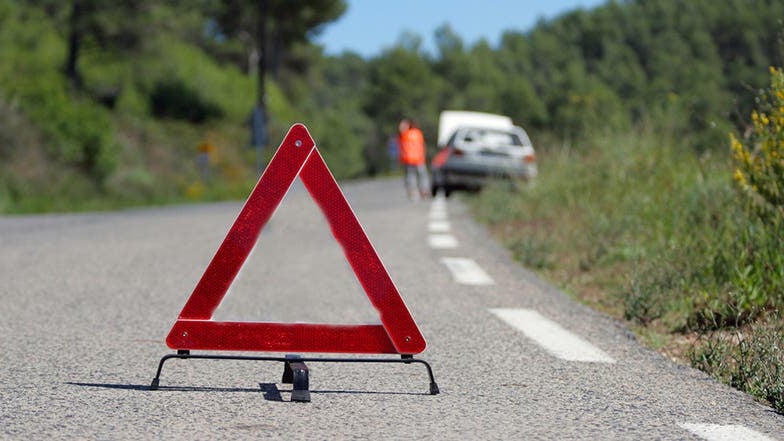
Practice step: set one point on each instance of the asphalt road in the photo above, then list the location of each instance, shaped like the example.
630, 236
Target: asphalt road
86, 301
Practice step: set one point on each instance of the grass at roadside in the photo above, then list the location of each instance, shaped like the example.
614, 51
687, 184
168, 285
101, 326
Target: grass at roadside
646, 230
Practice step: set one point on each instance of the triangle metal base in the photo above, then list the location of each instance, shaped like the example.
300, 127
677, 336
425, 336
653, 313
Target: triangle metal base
295, 371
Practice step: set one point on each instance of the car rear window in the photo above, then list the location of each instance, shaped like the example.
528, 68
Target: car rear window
492, 138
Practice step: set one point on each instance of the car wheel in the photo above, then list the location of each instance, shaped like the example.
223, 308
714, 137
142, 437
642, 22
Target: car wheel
433, 190
447, 191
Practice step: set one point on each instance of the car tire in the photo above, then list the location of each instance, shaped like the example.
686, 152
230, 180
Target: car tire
433, 190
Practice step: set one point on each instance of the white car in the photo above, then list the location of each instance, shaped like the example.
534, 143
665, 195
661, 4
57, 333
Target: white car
476, 147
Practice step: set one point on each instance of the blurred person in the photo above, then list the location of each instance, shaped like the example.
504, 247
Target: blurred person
205, 159
394, 152
411, 146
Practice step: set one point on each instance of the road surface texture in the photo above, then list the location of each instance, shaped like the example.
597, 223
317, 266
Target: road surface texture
88, 299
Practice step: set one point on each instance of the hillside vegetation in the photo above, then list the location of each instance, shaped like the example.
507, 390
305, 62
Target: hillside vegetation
658, 127
121, 124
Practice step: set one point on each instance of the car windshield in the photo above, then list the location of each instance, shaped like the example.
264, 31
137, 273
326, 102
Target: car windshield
494, 138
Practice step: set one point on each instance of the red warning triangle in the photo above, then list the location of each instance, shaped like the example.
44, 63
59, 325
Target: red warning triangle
195, 329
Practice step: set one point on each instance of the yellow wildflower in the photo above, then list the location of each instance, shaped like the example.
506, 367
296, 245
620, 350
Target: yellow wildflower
740, 178
735, 144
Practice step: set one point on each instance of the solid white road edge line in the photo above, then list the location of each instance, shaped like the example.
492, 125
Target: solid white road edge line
722, 432
466, 271
442, 241
551, 336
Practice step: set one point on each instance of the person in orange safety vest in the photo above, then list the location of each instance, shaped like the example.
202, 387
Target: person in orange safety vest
411, 147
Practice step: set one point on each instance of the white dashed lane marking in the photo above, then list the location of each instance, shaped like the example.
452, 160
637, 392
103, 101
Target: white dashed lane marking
438, 215
731, 432
438, 210
551, 336
438, 227
548, 334
466, 271
442, 241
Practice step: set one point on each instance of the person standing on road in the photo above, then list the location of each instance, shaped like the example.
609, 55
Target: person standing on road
411, 147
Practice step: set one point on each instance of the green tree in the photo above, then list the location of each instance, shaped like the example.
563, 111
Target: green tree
520, 98
748, 37
401, 84
329, 94
269, 29
452, 65
472, 78
117, 25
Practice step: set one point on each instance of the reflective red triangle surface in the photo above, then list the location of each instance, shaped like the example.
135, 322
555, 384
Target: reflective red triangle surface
296, 156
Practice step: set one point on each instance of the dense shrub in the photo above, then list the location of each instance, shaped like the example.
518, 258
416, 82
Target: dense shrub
750, 356
751, 359
759, 158
753, 263
171, 98
78, 132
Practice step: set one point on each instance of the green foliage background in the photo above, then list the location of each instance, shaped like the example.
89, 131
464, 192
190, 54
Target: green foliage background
154, 92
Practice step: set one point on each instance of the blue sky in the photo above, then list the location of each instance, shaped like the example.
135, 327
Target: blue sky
369, 26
